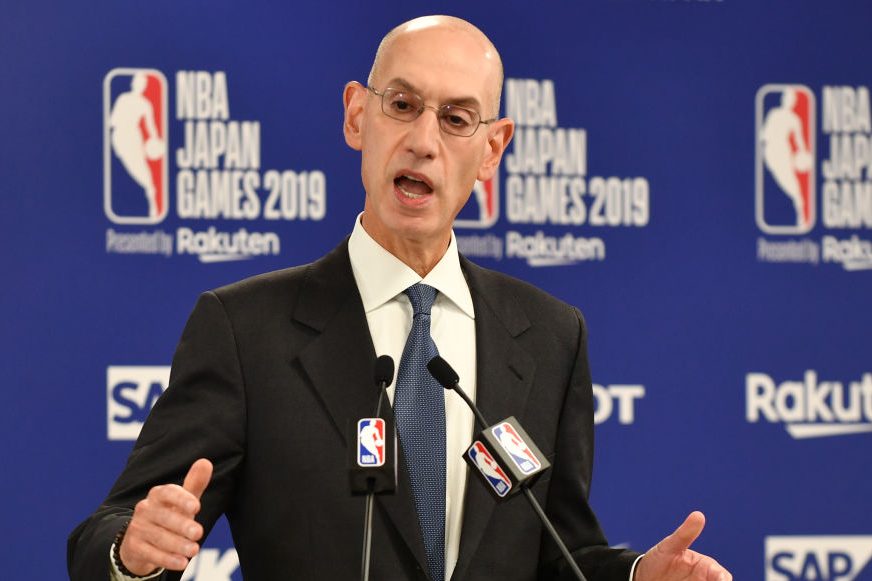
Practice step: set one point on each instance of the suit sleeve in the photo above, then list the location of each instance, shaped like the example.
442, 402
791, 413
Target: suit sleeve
569, 491
200, 415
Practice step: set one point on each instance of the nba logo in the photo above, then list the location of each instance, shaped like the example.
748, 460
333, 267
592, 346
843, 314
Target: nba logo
518, 450
483, 207
371, 442
135, 146
785, 173
489, 468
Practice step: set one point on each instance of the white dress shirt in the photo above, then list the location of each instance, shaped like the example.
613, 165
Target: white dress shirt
381, 279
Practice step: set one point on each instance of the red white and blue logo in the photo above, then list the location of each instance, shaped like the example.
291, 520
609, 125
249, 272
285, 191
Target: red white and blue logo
489, 468
135, 146
518, 450
371, 442
483, 208
785, 166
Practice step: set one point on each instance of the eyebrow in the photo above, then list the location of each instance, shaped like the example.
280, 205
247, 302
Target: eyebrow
401, 83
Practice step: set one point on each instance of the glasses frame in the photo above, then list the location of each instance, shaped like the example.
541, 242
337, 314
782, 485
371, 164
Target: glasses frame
438, 110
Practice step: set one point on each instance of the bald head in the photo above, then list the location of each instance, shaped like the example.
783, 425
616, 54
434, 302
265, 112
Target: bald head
451, 24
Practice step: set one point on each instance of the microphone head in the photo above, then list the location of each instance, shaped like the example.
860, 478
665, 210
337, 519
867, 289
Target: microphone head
443, 372
383, 372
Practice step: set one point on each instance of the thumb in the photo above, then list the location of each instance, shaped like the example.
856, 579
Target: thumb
685, 534
198, 477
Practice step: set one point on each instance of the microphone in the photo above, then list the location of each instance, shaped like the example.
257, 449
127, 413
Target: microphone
503, 456
372, 466
443, 373
383, 375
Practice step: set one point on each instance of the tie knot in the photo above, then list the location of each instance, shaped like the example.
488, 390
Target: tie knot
422, 297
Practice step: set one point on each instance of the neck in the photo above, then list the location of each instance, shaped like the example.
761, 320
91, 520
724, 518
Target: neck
421, 255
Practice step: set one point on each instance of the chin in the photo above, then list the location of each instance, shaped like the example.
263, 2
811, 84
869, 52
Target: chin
418, 228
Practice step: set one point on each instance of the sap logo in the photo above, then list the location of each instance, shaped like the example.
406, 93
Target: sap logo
130, 394
212, 565
819, 558
622, 397
811, 408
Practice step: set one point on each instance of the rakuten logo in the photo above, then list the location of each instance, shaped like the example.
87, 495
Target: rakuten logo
810, 408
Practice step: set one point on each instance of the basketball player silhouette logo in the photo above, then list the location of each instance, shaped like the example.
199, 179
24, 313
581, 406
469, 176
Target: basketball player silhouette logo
785, 153
483, 208
489, 469
137, 139
371, 442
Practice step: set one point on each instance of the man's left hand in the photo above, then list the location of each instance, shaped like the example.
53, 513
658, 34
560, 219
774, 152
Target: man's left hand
672, 560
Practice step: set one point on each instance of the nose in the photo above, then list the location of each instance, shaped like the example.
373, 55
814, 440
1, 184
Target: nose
424, 134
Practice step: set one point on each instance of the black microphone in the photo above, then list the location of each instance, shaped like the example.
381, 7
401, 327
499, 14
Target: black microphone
372, 447
503, 456
372, 466
448, 378
384, 376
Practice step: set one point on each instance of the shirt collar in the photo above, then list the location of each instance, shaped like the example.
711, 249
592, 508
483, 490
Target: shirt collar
381, 276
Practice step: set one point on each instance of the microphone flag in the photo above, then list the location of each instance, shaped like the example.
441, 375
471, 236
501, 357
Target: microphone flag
505, 458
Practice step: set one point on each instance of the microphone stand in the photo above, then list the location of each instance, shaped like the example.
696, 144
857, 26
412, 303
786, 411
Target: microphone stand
367, 518
450, 380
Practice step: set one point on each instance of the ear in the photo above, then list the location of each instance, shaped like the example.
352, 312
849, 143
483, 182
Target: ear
498, 138
353, 98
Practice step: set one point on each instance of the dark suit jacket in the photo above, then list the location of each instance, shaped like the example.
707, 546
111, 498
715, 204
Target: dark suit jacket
265, 377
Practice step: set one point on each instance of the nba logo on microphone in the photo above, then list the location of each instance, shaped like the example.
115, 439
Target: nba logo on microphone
135, 161
518, 450
489, 468
785, 160
483, 207
371, 442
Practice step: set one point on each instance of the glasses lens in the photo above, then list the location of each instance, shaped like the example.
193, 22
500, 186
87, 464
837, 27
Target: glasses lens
458, 120
401, 105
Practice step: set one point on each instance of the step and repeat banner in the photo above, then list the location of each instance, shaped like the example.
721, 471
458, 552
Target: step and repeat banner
694, 175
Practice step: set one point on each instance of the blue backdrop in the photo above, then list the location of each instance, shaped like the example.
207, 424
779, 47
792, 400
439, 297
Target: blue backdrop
694, 175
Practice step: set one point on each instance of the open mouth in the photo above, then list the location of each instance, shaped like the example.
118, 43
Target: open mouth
412, 187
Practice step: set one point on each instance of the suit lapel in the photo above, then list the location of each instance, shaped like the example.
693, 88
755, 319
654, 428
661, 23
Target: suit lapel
340, 357
503, 380
339, 362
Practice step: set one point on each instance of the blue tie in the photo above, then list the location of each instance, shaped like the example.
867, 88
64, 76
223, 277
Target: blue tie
419, 406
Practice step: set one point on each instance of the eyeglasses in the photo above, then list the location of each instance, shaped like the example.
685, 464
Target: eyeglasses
407, 106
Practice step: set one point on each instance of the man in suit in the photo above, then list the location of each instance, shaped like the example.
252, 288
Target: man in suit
269, 370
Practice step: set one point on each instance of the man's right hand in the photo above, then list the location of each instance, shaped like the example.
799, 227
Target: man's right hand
163, 532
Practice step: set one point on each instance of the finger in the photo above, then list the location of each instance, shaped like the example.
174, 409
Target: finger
177, 522
166, 541
713, 571
198, 477
141, 556
174, 497
685, 534
148, 513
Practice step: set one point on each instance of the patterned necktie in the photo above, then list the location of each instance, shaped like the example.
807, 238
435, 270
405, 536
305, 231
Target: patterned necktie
419, 406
